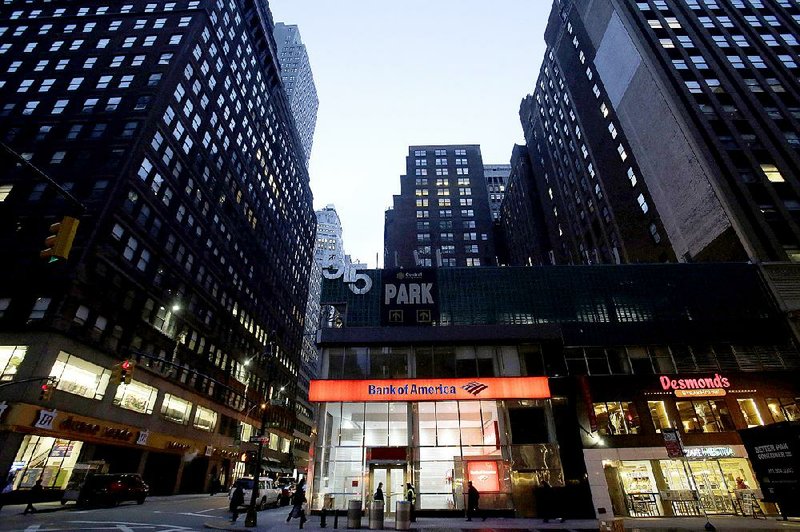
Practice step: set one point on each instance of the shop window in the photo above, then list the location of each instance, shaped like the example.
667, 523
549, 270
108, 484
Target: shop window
398, 424
528, 425
136, 396
80, 377
376, 420
205, 419
176, 409
352, 424
658, 413
750, 412
447, 430
533, 362
784, 408
616, 418
704, 416
49, 459
11, 356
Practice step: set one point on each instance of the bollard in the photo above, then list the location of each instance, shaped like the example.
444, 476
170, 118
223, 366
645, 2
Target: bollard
323, 515
376, 515
402, 517
354, 514
335, 518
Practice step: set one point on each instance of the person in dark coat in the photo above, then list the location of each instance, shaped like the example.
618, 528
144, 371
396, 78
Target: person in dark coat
298, 499
378, 492
411, 497
34, 496
472, 501
237, 500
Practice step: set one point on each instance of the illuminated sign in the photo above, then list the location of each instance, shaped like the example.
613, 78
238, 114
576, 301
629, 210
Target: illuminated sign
409, 297
709, 452
379, 390
696, 387
483, 475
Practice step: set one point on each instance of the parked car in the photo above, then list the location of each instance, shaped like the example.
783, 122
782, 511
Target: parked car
287, 486
268, 494
113, 489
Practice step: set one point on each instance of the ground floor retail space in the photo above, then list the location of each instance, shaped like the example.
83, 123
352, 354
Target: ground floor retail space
647, 483
60, 449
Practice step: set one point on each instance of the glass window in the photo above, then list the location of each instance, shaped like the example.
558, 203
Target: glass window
352, 424
136, 396
658, 412
704, 416
784, 408
81, 377
616, 418
205, 419
398, 424
375, 424
11, 356
176, 409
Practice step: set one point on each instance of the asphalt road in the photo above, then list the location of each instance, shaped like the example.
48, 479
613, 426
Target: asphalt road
157, 514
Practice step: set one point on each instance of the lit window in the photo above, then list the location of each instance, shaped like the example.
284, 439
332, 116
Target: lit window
772, 173
80, 377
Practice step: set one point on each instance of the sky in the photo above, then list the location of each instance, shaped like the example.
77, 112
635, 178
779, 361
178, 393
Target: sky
391, 74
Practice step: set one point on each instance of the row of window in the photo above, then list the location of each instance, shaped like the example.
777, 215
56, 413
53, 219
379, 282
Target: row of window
439, 152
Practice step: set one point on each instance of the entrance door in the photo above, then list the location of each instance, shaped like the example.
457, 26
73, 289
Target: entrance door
714, 493
393, 478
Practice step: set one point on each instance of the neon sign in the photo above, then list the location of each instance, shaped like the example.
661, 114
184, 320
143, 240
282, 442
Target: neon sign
706, 383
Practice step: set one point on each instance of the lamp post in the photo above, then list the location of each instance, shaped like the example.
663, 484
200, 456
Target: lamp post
251, 518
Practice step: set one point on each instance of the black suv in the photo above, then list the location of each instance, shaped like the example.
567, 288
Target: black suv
113, 489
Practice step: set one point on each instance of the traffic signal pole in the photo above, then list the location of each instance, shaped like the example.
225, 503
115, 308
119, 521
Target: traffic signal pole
251, 518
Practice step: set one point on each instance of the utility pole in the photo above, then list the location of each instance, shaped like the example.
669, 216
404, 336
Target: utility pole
251, 518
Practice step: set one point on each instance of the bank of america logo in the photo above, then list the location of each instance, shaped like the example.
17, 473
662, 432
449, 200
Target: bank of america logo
474, 387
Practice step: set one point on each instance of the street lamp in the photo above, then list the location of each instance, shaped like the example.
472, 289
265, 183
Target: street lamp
251, 518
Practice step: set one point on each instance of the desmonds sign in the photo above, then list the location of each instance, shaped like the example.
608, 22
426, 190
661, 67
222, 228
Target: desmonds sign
409, 297
695, 386
381, 390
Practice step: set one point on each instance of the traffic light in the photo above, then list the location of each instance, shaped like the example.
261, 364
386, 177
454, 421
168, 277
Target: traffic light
126, 372
60, 240
46, 392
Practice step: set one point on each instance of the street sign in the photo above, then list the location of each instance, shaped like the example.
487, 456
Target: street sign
256, 439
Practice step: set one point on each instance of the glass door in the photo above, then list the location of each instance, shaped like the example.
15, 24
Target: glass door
711, 487
393, 479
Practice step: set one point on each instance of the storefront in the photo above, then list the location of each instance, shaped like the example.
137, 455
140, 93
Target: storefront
436, 434
667, 445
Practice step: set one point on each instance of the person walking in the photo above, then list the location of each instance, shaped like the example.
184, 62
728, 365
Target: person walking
472, 501
378, 493
237, 500
411, 497
34, 496
298, 499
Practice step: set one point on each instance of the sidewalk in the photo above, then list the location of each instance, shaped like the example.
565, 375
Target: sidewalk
445, 524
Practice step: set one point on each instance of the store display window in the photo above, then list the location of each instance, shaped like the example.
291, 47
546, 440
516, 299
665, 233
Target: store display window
750, 412
617, 418
11, 356
704, 416
658, 413
637, 476
80, 377
136, 396
176, 409
784, 408
205, 419
49, 459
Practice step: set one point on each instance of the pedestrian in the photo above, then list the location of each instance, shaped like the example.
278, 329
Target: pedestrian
34, 496
215, 486
237, 500
472, 501
298, 499
379, 493
411, 497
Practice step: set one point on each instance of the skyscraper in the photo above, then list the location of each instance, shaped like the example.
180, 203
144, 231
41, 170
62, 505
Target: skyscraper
496, 180
329, 249
167, 125
667, 130
441, 216
298, 81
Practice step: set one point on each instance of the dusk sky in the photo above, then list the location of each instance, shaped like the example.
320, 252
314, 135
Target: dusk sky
394, 74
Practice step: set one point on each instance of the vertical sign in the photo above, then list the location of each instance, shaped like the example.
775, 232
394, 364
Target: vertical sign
409, 297
673, 443
586, 393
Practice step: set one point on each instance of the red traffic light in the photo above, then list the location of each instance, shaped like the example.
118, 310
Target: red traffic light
126, 365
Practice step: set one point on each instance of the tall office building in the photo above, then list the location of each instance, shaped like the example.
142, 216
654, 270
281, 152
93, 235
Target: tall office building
667, 130
496, 181
167, 124
298, 81
441, 216
329, 249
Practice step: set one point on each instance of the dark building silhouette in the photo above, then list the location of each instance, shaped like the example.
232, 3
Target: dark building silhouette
168, 123
441, 216
662, 131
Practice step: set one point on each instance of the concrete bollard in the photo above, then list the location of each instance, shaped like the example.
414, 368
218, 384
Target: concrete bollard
402, 517
376, 515
354, 514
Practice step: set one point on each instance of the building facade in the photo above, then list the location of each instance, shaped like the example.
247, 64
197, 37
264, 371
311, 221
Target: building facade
298, 81
665, 131
441, 216
167, 125
569, 375
496, 181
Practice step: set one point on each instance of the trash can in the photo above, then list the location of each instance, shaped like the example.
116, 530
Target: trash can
354, 514
402, 517
376, 515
